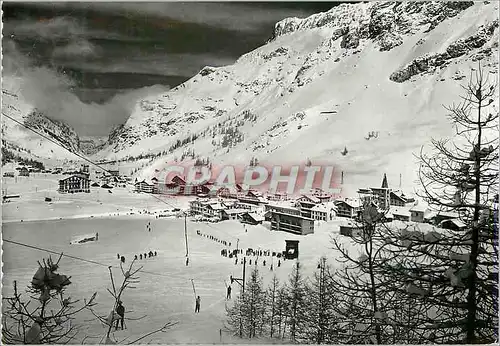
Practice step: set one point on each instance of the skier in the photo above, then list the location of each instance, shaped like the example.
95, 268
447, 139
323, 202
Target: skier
228, 292
140, 256
118, 255
236, 261
135, 258
197, 306
120, 310
96, 236
279, 263
187, 261
264, 263
155, 253
145, 255
122, 259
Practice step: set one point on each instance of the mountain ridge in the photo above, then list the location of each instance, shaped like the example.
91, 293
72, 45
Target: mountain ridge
299, 95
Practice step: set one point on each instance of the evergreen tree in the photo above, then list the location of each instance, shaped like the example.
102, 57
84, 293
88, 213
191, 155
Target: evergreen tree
321, 301
297, 304
364, 300
254, 304
247, 316
273, 307
458, 269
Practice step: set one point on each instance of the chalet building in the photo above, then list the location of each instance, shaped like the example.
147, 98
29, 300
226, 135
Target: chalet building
197, 207
322, 196
288, 219
296, 224
230, 191
278, 197
252, 197
452, 224
142, 186
349, 208
418, 213
269, 208
306, 203
8, 174
24, 172
350, 230
324, 211
384, 197
74, 184
398, 213
233, 214
251, 218
214, 210
398, 199
207, 208
95, 185
436, 218
179, 186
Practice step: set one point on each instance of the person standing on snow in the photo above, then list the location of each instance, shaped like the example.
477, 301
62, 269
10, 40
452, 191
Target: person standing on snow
228, 292
197, 306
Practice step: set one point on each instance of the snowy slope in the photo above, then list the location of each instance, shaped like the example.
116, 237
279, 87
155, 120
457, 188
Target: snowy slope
324, 83
27, 142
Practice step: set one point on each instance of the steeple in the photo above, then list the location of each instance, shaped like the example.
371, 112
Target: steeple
384, 182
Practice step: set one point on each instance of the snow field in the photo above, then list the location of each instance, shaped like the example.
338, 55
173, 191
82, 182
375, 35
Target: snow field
164, 292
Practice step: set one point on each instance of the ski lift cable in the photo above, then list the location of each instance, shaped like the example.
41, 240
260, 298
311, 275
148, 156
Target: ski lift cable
79, 258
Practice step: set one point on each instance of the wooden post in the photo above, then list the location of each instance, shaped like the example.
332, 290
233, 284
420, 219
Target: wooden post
244, 265
186, 235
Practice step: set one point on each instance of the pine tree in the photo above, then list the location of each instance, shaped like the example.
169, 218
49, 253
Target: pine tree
273, 306
364, 302
321, 301
458, 269
234, 317
297, 304
254, 299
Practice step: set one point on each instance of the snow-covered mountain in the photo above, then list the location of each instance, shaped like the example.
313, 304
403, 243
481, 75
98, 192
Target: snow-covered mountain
26, 142
370, 77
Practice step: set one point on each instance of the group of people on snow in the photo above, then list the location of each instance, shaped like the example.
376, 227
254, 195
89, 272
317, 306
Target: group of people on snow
211, 237
146, 255
140, 257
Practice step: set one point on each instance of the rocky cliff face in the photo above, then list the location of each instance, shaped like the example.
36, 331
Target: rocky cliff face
321, 84
54, 129
383, 22
59, 134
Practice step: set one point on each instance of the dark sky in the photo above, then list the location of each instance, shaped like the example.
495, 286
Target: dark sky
107, 54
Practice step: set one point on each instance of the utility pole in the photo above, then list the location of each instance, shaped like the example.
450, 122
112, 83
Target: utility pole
186, 235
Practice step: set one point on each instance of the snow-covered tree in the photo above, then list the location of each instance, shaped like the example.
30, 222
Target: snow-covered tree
321, 302
458, 269
246, 317
297, 304
365, 302
273, 308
